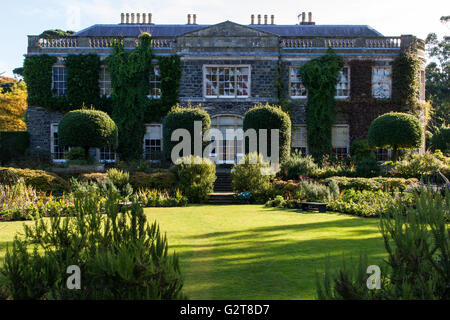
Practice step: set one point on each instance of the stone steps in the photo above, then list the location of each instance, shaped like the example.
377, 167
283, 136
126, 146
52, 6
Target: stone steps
221, 198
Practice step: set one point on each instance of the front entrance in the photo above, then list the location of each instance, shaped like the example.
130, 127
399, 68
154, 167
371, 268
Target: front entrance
229, 149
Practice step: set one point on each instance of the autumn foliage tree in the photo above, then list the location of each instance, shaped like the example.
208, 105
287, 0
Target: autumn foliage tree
13, 105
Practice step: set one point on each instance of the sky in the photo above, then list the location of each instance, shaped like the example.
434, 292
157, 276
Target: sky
19, 18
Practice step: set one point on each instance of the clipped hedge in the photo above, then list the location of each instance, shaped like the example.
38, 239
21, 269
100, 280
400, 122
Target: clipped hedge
42, 180
371, 184
93, 177
156, 180
270, 117
183, 118
13, 144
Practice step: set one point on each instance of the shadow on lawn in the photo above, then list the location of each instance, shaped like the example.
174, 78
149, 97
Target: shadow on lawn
262, 263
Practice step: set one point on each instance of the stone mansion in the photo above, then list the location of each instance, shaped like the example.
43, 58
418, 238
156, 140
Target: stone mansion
228, 68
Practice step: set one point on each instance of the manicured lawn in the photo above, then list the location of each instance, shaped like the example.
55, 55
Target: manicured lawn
252, 252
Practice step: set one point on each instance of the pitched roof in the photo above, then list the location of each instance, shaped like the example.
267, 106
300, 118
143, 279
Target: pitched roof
173, 30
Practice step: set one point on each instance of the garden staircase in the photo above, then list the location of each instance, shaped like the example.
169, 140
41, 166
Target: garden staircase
223, 191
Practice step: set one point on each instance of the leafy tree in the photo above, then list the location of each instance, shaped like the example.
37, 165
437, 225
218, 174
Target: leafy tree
87, 128
438, 78
56, 33
397, 131
13, 107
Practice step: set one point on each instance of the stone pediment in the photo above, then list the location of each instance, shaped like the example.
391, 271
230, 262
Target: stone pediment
228, 29
226, 36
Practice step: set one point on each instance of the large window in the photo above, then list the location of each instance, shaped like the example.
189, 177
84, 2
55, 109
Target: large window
296, 87
383, 154
227, 81
340, 141
105, 82
107, 154
381, 82
58, 153
155, 83
153, 142
59, 80
343, 84
300, 139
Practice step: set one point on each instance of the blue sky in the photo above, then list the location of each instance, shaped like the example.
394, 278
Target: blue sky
19, 18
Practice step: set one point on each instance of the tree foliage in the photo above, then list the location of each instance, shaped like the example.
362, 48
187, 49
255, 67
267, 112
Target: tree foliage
320, 78
87, 128
13, 107
397, 131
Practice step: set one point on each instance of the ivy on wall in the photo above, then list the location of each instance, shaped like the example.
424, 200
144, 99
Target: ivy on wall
130, 72
405, 80
320, 78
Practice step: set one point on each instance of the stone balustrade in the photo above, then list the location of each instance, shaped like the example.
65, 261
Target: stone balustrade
342, 43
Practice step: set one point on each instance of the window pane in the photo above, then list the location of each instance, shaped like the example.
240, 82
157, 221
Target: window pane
342, 87
381, 82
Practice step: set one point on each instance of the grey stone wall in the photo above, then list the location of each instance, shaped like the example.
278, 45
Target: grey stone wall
39, 121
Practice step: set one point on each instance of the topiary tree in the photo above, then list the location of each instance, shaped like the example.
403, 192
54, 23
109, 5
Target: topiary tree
87, 128
183, 118
397, 131
270, 117
441, 140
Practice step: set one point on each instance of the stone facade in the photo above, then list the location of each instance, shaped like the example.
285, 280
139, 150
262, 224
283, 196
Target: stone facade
269, 50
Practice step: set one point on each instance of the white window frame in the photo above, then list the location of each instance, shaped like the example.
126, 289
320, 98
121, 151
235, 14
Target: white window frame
103, 83
155, 82
145, 138
53, 130
64, 81
98, 155
390, 81
292, 138
349, 80
348, 137
290, 84
218, 96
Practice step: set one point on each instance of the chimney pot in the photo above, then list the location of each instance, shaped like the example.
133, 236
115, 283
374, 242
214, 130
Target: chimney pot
259, 19
128, 18
189, 19
265, 19
144, 18
309, 17
132, 18
303, 17
149, 18
122, 18
138, 15
252, 19
194, 19
272, 19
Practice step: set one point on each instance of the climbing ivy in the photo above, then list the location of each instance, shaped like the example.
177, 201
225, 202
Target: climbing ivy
130, 72
405, 71
320, 78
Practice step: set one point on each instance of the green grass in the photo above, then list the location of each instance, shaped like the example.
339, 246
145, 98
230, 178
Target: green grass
252, 252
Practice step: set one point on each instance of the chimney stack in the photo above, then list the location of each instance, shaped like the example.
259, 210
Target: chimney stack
309, 17
272, 19
128, 19
122, 18
150, 18
132, 18
265, 19
189, 19
138, 18
259, 19
194, 19
144, 18
252, 19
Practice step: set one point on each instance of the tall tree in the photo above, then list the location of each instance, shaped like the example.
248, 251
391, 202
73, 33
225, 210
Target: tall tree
13, 105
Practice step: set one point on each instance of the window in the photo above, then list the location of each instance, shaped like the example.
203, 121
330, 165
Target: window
340, 141
381, 82
300, 139
296, 87
107, 154
383, 154
155, 83
343, 85
59, 80
153, 142
105, 82
58, 153
227, 82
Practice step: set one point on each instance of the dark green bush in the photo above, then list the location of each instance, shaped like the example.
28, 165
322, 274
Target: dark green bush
397, 131
367, 168
42, 180
120, 255
441, 140
297, 165
371, 184
76, 153
361, 150
13, 145
270, 117
156, 180
196, 177
87, 128
183, 118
